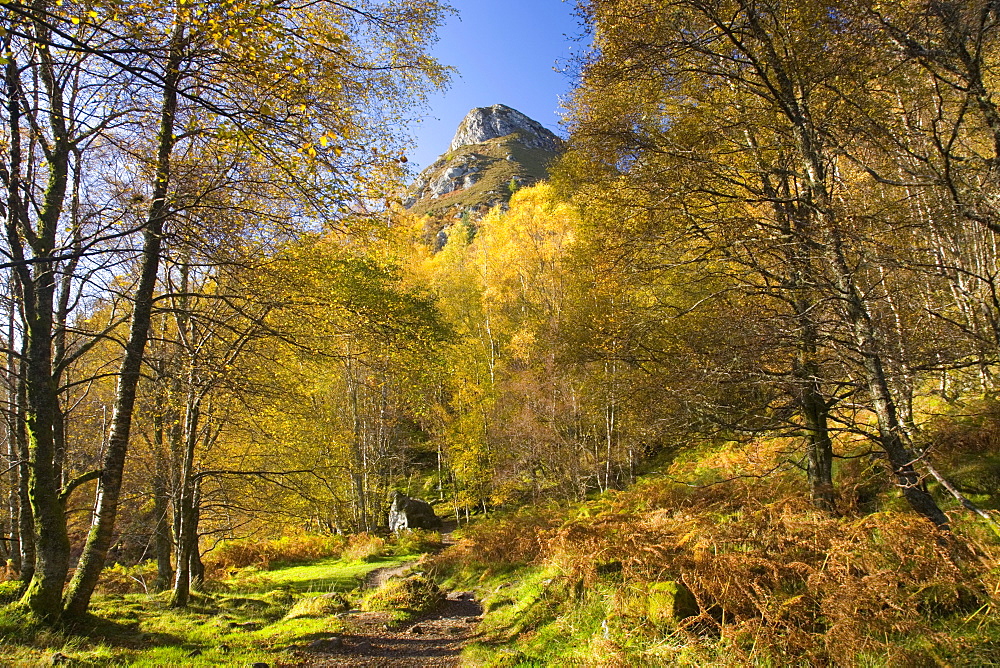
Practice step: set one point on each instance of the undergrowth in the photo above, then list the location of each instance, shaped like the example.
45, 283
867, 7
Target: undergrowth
744, 573
264, 554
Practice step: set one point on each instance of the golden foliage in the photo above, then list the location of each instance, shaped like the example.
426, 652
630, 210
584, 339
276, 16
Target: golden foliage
490, 543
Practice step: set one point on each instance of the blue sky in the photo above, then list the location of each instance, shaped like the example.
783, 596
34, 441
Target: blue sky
505, 52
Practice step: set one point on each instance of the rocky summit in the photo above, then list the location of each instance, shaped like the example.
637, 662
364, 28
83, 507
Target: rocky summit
495, 151
486, 123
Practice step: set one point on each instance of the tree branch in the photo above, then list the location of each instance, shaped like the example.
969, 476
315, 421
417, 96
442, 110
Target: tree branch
76, 482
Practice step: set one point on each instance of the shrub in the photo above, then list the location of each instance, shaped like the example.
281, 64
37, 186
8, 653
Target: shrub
122, 579
264, 554
499, 543
414, 594
11, 590
318, 606
18, 625
364, 547
417, 541
7, 572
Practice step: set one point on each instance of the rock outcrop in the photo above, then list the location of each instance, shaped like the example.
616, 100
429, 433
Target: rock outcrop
495, 151
407, 513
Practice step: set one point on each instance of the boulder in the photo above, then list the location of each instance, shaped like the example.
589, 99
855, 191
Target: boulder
408, 513
669, 602
663, 603
327, 645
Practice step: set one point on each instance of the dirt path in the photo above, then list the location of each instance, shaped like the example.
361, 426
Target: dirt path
434, 640
368, 639
378, 577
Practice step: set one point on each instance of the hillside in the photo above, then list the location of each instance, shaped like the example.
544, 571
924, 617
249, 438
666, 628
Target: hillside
744, 573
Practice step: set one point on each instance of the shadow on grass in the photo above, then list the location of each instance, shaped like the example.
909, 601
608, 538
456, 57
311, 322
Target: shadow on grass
124, 635
306, 638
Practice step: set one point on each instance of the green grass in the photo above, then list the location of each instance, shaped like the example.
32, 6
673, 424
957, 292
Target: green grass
239, 621
533, 616
321, 576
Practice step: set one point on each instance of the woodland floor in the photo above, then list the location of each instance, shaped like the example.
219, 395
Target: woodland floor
370, 638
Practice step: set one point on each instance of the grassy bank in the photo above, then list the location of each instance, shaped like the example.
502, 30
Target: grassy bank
262, 611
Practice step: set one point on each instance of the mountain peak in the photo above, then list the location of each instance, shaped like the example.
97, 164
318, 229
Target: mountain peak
496, 150
485, 123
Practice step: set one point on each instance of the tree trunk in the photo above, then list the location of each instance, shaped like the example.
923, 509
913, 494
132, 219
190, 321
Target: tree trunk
109, 487
14, 511
14, 439
800, 281
25, 520
37, 290
186, 503
5, 542
815, 412
819, 205
182, 576
196, 570
812, 403
866, 341
162, 540
187, 539
44, 593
